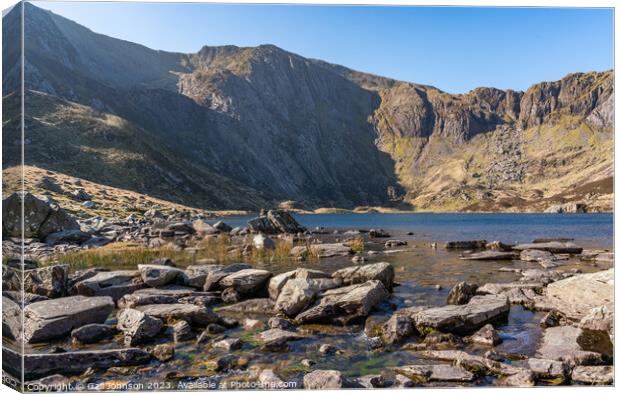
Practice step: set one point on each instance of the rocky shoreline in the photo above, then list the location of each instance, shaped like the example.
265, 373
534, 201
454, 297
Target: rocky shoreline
96, 325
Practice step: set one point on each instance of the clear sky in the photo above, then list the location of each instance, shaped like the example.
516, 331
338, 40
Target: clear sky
453, 48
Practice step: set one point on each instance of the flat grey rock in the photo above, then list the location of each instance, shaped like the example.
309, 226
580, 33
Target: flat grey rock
435, 373
56, 318
561, 344
71, 363
462, 319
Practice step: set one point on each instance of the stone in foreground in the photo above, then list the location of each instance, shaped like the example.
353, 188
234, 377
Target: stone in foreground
44, 364
114, 284
436, 373
137, 326
56, 318
577, 295
158, 275
463, 319
561, 344
383, 272
246, 281
547, 369
276, 338
92, 333
327, 379
346, 303
603, 375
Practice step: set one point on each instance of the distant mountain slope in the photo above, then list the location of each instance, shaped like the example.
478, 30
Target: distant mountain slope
231, 127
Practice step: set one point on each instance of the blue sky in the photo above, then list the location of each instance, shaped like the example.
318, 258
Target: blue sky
453, 48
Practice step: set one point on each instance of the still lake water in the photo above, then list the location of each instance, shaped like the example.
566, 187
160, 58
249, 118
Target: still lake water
594, 229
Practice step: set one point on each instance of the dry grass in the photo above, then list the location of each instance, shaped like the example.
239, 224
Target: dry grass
128, 255
356, 244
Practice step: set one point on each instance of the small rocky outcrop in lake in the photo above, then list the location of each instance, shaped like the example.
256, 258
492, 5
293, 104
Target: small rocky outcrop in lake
275, 222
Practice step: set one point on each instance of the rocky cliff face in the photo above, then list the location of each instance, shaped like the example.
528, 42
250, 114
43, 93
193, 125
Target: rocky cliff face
276, 127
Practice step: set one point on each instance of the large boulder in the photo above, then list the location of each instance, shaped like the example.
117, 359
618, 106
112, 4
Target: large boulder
71, 363
246, 281
196, 275
212, 281
114, 284
137, 326
383, 272
275, 222
40, 218
578, 295
346, 304
277, 282
296, 295
463, 319
56, 318
158, 275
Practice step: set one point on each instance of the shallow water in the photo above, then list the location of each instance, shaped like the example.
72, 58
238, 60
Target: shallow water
425, 276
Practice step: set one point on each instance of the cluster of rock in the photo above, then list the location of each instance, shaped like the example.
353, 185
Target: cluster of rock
50, 230
160, 300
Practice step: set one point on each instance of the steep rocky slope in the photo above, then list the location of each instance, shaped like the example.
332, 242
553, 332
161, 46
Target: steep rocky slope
231, 127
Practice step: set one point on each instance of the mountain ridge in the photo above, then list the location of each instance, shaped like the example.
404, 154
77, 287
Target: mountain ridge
291, 128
